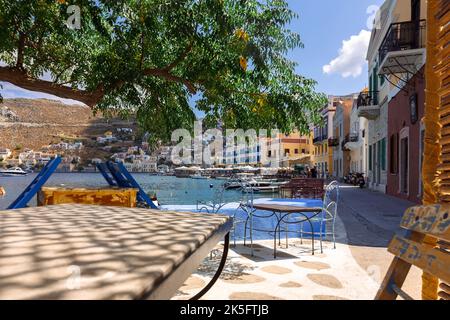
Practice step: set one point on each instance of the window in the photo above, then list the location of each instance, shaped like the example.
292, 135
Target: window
383, 154
269, 153
296, 151
286, 151
370, 157
303, 151
393, 159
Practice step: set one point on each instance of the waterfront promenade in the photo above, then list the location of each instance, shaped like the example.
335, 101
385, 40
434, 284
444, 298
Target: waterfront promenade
366, 222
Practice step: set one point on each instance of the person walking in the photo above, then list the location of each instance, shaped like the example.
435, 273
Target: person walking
314, 172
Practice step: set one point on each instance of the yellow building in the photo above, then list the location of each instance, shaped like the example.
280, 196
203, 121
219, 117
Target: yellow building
322, 151
296, 149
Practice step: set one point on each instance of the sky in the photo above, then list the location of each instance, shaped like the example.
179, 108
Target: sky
335, 34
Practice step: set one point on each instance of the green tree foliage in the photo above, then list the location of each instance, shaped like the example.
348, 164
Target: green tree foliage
151, 57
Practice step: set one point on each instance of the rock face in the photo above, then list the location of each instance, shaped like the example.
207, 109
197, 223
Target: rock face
33, 123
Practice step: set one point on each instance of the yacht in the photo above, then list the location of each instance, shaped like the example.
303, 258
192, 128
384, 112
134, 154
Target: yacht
198, 176
16, 171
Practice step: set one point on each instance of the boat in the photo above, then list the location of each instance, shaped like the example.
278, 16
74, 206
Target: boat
12, 172
234, 184
198, 176
266, 189
222, 178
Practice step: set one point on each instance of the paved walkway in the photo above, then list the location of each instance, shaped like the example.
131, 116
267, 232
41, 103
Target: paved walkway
366, 222
370, 218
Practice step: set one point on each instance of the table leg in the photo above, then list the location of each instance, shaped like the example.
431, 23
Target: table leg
279, 229
312, 235
251, 234
218, 272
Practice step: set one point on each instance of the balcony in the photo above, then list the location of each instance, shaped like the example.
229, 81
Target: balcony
403, 48
368, 105
319, 139
353, 137
350, 142
333, 142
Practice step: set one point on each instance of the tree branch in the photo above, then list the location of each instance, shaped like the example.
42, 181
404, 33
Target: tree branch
180, 58
163, 73
21, 79
20, 48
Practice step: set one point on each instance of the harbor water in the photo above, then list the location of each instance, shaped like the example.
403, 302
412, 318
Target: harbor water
169, 190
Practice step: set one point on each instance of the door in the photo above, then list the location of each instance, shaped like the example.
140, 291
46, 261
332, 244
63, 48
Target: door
404, 165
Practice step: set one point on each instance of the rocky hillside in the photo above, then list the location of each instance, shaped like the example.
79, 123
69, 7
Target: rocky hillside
32, 123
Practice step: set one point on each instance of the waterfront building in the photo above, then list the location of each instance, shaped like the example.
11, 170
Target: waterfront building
13, 162
5, 153
323, 154
341, 130
396, 45
406, 132
296, 149
358, 141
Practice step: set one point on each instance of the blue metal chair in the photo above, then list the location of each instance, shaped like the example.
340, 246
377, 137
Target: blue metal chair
246, 207
214, 205
328, 215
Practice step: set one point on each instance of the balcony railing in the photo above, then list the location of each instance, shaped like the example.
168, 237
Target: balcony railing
333, 142
319, 138
403, 36
367, 98
353, 137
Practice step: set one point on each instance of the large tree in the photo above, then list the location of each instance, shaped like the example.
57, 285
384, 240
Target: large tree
151, 57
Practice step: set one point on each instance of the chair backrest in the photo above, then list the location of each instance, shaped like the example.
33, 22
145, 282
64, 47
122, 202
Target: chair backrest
247, 195
421, 223
331, 208
331, 193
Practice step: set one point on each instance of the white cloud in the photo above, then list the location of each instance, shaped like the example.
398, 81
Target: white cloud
352, 56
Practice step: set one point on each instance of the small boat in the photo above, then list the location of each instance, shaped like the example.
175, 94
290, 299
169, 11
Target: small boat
266, 189
222, 178
12, 172
198, 176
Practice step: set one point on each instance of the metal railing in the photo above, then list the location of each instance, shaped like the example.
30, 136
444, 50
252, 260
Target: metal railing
367, 98
403, 36
352, 137
333, 142
349, 138
319, 139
